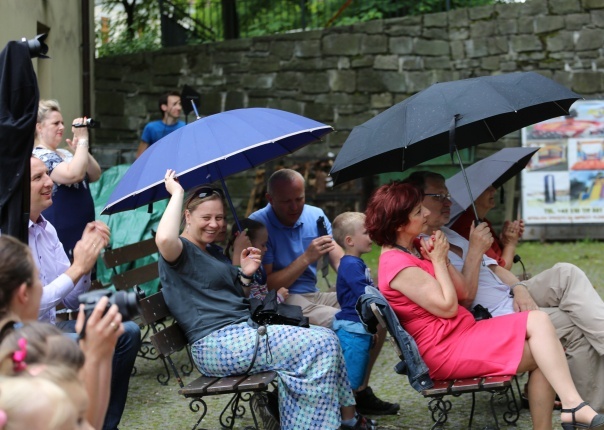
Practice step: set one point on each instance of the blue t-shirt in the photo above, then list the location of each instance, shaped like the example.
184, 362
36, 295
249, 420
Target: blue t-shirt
353, 277
155, 130
285, 244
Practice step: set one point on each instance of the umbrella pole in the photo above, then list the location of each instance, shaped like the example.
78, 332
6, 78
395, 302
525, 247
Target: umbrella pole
465, 177
228, 197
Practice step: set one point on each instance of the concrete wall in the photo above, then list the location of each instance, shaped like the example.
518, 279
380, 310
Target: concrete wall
346, 75
61, 76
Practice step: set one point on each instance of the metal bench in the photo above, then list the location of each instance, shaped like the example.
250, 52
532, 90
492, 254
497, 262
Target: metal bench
169, 339
500, 387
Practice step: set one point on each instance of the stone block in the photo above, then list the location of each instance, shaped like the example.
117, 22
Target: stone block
508, 11
507, 26
258, 102
210, 104
577, 21
370, 27
526, 25
258, 81
597, 18
480, 29
498, 45
561, 41
405, 26
412, 63
386, 62
458, 18
109, 103
436, 19
234, 100
287, 80
200, 64
417, 81
307, 48
457, 49
290, 105
490, 63
548, 24
340, 99
341, 44
370, 81
319, 112
435, 63
342, 80
223, 57
534, 8
459, 33
481, 12
394, 82
261, 45
435, 33
282, 49
315, 83
381, 101
508, 66
563, 7
401, 45
476, 48
445, 76
525, 43
592, 4
348, 122
168, 65
589, 39
374, 44
109, 71
343, 63
431, 47
236, 44
263, 65
586, 82
310, 64
361, 62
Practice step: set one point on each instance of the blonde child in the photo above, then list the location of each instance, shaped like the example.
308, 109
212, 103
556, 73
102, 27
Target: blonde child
353, 275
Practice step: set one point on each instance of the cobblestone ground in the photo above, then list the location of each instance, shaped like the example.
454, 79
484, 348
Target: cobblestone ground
154, 406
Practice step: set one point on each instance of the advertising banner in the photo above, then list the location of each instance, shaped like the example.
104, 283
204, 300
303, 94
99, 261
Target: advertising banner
564, 181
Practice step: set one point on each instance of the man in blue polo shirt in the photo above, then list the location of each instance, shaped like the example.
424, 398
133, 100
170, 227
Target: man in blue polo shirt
294, 246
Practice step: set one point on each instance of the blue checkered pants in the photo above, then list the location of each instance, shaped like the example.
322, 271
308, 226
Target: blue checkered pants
313, 382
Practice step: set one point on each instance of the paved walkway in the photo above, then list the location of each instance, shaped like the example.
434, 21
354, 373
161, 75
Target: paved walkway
154, 406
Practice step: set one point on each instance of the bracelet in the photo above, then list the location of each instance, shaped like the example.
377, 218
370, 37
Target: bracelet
518, 283
83, 142
244, 276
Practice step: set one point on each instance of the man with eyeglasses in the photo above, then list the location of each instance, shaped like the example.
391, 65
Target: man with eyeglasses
294, 246
564, 292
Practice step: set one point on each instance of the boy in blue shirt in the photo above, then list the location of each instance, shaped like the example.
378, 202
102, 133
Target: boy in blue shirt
353, 276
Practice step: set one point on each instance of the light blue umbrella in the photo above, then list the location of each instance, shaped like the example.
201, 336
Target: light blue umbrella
211, 149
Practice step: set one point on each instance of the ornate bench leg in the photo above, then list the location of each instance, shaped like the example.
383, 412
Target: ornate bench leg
439, 408
472, 410
188, 367
196, 405
233, 410
512, 413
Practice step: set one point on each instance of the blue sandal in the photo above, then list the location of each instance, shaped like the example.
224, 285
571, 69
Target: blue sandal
596, 423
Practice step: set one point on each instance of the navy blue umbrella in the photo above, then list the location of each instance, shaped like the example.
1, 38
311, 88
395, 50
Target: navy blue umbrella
211, 149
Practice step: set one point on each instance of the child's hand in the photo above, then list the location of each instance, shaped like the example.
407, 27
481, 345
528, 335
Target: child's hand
283, 292
250, 260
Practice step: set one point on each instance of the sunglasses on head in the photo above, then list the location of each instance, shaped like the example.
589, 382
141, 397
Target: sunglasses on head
208, 191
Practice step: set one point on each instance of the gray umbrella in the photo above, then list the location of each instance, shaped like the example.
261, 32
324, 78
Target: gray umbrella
494, 170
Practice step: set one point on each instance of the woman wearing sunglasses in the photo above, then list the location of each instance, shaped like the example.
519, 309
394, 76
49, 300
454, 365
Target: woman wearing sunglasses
208, 298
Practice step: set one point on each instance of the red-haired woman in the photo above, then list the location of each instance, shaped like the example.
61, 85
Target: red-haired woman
423, 288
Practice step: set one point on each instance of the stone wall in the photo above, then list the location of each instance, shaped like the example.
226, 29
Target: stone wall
345, 75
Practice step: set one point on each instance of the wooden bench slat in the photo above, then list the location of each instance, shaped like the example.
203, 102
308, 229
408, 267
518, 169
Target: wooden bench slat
225, 385
491, 382
198, 387
137, 276
153, 308
466, 385
258, 381
126, 254
440, 387
169, 340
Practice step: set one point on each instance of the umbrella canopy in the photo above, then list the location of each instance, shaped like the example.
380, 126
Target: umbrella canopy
462, 113
494, 170
212, 149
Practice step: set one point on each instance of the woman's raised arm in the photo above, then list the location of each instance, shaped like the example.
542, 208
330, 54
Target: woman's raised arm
168, 230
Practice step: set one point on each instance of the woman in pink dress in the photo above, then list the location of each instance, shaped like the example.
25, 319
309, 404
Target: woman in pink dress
424, 289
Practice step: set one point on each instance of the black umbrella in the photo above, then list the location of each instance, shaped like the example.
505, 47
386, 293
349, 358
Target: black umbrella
447, 116
18, 114
494, 170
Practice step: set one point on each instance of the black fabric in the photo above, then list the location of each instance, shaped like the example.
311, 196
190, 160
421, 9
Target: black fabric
270, 312
481, 313
19, 98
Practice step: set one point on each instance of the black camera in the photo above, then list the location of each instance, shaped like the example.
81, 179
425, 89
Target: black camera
89, 122
127, 303
481, 313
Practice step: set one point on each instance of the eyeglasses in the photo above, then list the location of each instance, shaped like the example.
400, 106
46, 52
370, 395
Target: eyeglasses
440, 197
208, 191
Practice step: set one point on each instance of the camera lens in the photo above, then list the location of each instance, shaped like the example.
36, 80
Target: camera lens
127, 304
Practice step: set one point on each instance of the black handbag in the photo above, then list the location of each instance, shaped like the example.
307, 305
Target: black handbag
270, 312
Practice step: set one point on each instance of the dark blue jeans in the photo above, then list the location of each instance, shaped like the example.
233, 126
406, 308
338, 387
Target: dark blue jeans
124, 356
